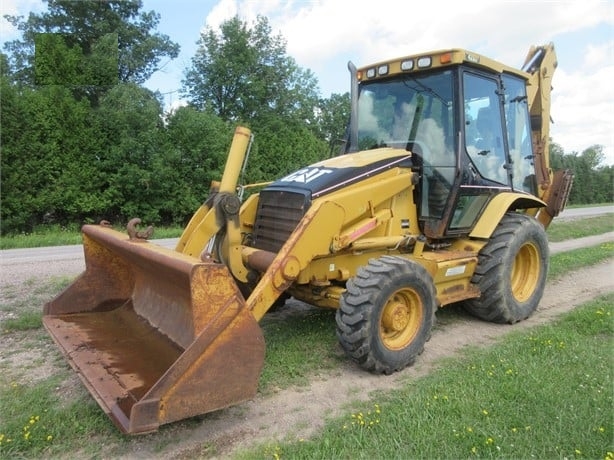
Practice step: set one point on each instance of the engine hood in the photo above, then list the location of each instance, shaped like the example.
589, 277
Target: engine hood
329, 175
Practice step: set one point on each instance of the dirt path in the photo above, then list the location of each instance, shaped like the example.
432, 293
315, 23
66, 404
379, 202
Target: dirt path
298, 413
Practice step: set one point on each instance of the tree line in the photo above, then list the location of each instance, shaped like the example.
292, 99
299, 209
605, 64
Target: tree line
83, 140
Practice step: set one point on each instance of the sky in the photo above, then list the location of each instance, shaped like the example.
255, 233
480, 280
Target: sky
323, 35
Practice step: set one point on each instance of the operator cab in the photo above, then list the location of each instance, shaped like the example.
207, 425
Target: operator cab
464, 118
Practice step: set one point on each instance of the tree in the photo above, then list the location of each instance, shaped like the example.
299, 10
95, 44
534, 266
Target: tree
592, 182
333, 117
243, 73
58, 61
79, 34
46, 138
129, 119
194, 154
78, 134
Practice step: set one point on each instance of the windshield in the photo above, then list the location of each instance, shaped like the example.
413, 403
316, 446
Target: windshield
409, 112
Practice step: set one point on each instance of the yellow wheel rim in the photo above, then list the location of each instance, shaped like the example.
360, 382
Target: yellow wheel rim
401, 319
525, 272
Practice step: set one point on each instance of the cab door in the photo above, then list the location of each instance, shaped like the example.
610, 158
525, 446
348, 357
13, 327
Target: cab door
483, 153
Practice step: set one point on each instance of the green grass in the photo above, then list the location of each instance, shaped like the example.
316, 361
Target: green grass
299, 344
571, 229
55, 235
22, 313
564, 262
36, 420
546, 393
48, 235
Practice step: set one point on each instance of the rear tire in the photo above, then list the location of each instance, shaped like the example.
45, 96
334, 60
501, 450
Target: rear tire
386, 314
511, 271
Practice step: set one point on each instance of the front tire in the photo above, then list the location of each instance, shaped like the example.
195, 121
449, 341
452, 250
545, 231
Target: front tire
386, 314
511, 271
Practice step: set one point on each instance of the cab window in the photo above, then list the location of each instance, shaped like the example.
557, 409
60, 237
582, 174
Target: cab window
483, 128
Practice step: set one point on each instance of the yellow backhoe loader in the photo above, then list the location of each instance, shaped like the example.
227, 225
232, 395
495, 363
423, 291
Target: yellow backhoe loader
441, 194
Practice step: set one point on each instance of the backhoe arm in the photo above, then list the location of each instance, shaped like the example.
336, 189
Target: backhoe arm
553, 188
540, 63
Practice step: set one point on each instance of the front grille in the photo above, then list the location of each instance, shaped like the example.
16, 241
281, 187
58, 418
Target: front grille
279, 212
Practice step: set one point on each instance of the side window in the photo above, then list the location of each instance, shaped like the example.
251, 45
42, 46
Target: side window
519, 134
467, 210
483, 127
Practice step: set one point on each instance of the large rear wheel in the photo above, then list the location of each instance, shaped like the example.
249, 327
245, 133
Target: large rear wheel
511, 271
386, 314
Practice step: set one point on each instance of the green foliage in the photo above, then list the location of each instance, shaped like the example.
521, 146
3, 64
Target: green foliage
60, 60
196, 145
243, 73
45, 135
593, 182
129, 119
282, 146
79, 148
88, 28
333, 116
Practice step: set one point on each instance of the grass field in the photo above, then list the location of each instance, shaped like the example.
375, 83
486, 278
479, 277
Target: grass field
541, 394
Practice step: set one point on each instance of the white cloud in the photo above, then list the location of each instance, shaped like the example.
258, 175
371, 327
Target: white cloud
583, 101
583, 110
319, 30
222, 11
597, 54
16, 8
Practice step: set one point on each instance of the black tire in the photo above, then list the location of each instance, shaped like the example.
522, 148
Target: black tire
511, 271
386, 314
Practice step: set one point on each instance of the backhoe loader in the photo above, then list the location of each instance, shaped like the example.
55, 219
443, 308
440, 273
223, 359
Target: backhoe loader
441, 194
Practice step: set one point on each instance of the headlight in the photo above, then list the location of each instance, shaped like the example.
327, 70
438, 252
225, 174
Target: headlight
424, 62
407, 65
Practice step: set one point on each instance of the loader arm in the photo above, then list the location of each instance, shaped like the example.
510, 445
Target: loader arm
221, 208
284, 267
327, 227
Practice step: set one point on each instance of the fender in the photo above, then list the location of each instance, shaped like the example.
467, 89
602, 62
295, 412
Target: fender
498, 206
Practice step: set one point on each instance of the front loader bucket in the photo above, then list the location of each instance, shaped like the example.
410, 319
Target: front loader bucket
155, 335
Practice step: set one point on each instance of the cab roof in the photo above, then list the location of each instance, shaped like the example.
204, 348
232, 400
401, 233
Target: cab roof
431, 60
